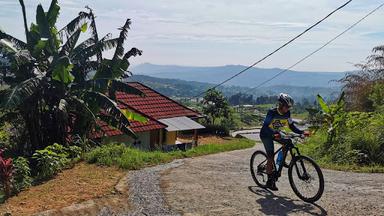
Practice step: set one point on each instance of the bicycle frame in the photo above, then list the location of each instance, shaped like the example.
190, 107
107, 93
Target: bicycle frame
293, 150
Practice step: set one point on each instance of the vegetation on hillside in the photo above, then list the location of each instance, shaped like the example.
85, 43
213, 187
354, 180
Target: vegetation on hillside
350, 131
184, 90
55, 89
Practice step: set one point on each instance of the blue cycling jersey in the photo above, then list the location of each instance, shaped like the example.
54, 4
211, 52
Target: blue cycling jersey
275, 121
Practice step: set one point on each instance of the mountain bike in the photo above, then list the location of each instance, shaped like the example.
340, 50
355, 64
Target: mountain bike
305, 176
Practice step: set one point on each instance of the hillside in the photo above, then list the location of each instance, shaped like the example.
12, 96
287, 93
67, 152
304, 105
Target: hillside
182, 88
250, 78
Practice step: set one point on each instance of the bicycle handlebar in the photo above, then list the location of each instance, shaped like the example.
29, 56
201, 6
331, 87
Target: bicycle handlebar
285, 135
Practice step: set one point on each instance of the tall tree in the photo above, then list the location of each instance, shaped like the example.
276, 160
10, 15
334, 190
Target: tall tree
358, 86
215, 105
60, 86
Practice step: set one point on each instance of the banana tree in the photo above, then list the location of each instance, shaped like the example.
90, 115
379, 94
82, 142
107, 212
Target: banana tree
59, 85
333, 116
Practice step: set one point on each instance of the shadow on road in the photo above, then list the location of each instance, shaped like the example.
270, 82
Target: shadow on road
272, 204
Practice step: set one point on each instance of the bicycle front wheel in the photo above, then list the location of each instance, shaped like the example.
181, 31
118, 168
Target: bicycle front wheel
306, 179
258, 165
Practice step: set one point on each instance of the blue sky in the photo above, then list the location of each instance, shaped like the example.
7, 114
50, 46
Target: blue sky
223, 32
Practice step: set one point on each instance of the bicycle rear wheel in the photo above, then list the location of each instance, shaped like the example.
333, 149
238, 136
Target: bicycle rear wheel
306, 179
258, 165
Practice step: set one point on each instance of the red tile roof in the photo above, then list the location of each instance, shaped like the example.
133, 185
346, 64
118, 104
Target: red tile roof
153, 106
106, 130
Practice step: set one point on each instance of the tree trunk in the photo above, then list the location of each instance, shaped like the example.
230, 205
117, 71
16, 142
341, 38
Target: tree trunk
7, 189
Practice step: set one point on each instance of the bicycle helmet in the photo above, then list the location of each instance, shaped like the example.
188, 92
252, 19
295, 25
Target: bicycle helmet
285, 99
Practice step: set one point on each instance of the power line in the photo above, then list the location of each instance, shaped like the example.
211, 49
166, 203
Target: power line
318, 49
276, 50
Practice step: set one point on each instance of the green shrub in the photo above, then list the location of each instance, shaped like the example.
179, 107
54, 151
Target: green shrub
4, 136
106, 155
74, 152
22, 174
377, 96
84, 143
361, 143
50, 160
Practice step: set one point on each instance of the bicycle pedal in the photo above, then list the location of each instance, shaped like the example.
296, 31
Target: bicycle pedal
286, 165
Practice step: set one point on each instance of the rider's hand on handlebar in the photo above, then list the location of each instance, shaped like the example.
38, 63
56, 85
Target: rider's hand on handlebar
277, 136
307, 133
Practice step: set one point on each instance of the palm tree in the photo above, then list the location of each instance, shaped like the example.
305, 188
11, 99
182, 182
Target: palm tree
61, 87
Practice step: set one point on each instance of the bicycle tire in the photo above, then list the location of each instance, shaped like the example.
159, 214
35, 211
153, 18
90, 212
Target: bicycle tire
320, 191
256, 153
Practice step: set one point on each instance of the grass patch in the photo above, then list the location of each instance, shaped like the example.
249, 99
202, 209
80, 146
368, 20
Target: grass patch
132, 159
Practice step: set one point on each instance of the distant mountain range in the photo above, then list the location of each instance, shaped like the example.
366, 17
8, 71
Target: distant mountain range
250, 78
177, 88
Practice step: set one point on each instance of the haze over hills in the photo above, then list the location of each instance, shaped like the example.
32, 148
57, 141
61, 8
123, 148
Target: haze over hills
250, 78
181, 88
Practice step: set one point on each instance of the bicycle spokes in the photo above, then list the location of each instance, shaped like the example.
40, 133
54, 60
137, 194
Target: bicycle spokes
306, 179
259, 168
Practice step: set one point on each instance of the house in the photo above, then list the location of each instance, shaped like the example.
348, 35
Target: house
165, 118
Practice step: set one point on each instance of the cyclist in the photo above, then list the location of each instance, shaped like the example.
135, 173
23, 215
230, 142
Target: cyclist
277, 119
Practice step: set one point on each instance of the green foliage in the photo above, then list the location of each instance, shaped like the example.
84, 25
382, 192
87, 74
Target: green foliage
125, 157
347, 138
106, 155
324, 106
264, 107
131, 158
22, 174
377, 96
225, 124
74, 152
241, 99
360, 144
50, 160
251, 118
51, 79
264, 99
215, 105
84, 143
4, 136
365, 135
235, 144
333, 117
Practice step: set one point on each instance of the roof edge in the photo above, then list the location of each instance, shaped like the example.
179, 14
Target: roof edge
199, 114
